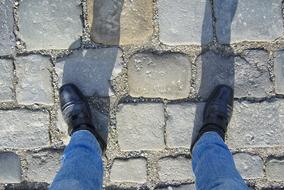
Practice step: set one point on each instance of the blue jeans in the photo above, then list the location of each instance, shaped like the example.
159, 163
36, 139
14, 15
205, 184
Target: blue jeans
82, 167
213, 165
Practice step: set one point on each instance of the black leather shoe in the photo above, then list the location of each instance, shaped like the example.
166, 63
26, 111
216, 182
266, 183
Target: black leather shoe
217, 112
76, 112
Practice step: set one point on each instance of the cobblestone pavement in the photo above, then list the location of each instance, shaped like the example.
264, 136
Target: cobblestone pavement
147, 66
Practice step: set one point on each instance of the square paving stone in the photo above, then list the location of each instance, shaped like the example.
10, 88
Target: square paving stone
159, 76
10, 167
184, 22
253, 20
6, 80
50, 24
34, 85
121, 22
7, 37
140, 127
91, 70
279, 72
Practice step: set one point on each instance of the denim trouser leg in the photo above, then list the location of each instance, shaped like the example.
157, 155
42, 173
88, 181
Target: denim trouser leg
213, 165
82, 167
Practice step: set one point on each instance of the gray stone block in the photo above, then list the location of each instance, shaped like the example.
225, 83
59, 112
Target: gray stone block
24, 129
184, 22
6, 81
50, 24
10, 167
132, 170
91, 70
252, 77
140, 127
279, 72
181, 122
254, 20
7, 37
175, 169
249, 76
257, 124
159, 76
275, 170
42, 166
249, 166
180, 187
34, 80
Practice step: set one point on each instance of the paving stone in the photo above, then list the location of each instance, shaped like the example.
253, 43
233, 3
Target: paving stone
279, 72
42, 166
252, 76
140, 127
181, 187
257, 124
255, 20
275, 170
181, 121
159, 76
120, 22
249, 76
213, 69
175, 169
184, 22
7, 37
10, 167
50, 24
24, 129
249, 166
6, 80
134, 170
34, 80
91, 70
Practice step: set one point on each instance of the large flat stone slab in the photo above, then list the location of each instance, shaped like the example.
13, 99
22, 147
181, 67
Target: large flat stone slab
10, 167
50, 24
254, 20
279, 72
184, 22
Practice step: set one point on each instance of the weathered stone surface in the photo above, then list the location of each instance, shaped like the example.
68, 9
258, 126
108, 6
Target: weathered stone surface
181, 187
249, 76
42, 166
185, 22
249, 166
132, 170
175, 169
34, 80
6, 80
252, 76
255, 20
140, 127
181, 121
50, 24
213, 69
23, 129
120, 22
165, 76
7, 37
279, 72
257, 124
275, 170
10, 167
91, 70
